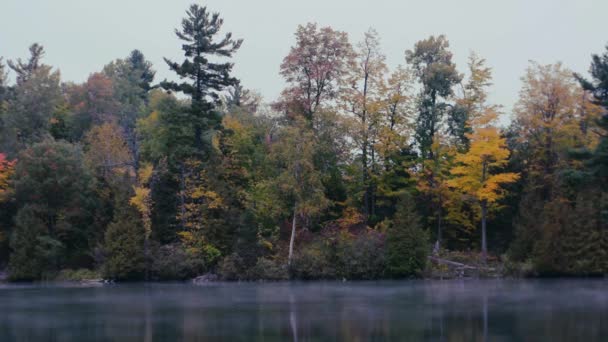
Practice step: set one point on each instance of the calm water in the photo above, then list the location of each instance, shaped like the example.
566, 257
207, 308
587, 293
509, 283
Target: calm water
474, 310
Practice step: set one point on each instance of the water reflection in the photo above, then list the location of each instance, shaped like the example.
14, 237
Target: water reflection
555, 310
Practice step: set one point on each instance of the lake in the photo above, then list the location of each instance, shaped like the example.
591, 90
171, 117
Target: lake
418, 310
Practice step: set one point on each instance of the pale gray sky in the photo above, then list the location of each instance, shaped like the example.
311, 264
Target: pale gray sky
80, 36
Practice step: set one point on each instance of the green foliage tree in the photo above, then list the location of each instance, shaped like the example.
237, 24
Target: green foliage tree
407, 244
35, 252
132, 79
26, 69
432, 64
597, 162
124, 247
53, 189
32, 103
206, 79
4, 89
572, 239
296, 190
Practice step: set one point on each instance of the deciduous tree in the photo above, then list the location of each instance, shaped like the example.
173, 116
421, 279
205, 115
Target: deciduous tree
432, 64
7, 168
362, 99
314, 70
476, 173
56, 204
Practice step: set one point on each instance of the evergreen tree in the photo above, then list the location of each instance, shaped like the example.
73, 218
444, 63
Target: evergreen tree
25, 70
124, 247
407, 244
205, 79
34, 251
132, 80
598, 87
3, 89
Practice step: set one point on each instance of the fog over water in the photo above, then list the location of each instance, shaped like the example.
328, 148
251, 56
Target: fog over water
471, 310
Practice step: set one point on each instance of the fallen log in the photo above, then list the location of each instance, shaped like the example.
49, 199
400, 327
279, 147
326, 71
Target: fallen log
451, 263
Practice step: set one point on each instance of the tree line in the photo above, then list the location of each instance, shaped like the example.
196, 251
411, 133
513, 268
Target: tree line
356, 171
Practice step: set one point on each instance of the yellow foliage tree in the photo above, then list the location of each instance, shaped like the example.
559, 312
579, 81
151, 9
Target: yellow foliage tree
199, 210
142, 201
6, 170
554, 115
107, 151
476, 172
395, 127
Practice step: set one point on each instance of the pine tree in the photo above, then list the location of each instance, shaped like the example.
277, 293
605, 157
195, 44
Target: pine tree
206, 79
4, 89
598, 160
24, 70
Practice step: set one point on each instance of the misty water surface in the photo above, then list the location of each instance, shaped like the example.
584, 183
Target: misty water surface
471, 310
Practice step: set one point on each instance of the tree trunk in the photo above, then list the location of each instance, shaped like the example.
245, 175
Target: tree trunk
182, 200
484, 245
293, 237
439, 218
147, 258
484, 214
439, 238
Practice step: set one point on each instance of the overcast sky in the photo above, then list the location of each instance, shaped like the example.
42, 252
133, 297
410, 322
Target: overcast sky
80, 36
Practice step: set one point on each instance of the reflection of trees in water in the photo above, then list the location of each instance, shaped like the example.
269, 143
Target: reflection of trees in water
293, 319
446, 311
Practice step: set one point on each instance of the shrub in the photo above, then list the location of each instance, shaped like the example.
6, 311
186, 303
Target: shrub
360, 257
172, 262
231, 268
344, 255
268, 269
313, 261
77, 275
517, 269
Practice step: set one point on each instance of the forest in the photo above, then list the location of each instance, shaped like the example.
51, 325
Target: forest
357, 171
